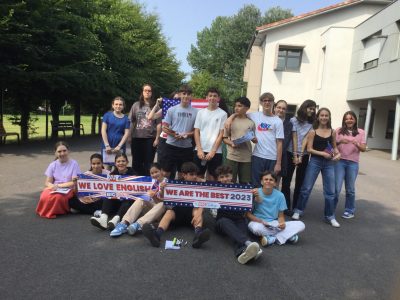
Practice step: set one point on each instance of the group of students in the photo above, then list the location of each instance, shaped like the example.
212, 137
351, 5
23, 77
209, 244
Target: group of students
190, 142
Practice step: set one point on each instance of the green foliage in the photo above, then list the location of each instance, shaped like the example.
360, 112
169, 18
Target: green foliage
86, 52
219, 54
32, 128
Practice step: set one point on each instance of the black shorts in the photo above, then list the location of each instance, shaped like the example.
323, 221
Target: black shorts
183, 215
210, 165
176, 156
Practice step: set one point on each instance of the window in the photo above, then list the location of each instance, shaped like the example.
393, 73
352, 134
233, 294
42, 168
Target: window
362, 117
371, 64
290, 111
390, 125
372, 49
289, 58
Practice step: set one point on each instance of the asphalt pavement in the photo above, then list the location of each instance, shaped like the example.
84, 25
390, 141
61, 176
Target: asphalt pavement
68, 258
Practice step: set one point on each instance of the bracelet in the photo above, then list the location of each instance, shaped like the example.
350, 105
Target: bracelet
107, 146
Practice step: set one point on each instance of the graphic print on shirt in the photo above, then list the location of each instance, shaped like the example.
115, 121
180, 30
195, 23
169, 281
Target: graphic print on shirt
184, 115
264, 127
143, 121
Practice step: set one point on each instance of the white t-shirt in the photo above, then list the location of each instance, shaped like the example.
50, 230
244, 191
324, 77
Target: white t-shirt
268, 130
210, 123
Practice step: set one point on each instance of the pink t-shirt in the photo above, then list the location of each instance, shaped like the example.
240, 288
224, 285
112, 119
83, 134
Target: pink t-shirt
63, 172
350, 151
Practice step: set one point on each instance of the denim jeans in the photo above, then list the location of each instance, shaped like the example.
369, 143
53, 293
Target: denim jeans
300, 174
347, 171
316, 165
258, 166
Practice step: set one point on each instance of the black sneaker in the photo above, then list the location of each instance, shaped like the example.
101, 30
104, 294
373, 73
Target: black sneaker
150, 233
201, 237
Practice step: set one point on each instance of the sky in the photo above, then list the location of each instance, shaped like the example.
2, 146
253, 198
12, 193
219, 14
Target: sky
182, 19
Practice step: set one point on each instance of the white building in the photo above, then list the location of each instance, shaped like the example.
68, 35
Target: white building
345, 56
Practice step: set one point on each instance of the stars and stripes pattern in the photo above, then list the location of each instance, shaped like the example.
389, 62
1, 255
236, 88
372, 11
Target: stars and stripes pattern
168, 103
225, 204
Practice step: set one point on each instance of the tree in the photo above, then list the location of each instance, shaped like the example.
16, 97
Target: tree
220, 50
86, 52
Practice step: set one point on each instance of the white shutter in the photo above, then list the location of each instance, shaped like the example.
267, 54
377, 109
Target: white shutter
372, 49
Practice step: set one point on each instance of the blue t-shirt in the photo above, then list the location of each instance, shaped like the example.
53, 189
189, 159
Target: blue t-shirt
181, 120
115, 128
268, 210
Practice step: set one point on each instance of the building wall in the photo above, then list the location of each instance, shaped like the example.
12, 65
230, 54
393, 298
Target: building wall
383, 80
295, 87
253, 75
332, 81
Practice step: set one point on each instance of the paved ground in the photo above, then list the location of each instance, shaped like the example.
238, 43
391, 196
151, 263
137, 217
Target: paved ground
67, 258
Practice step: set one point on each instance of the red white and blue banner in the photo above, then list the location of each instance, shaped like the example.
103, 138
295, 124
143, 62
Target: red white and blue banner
114, 186
168, 103
237, 197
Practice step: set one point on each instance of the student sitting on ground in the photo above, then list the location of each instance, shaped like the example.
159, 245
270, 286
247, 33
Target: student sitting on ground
88, 204
234, 224
268, 219
153, 208
59, 184
114, 207
180, 216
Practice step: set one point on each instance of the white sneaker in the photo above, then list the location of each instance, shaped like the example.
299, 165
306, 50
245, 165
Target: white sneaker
100, 222
258, 254
113, 222
334, 223
296, 216
249, 253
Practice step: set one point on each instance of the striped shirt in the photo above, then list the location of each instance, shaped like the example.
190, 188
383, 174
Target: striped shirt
301, 129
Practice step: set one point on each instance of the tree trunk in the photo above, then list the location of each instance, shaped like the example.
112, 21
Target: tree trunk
93, 124
77, 117
24, 122
55, 107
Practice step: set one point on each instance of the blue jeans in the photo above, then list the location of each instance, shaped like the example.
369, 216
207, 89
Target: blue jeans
258, 166
326, 167
347, 171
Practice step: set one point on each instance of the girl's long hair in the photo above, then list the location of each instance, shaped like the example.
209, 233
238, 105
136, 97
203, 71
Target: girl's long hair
344, 130
152, 102
302, 111
316, 122
95, 155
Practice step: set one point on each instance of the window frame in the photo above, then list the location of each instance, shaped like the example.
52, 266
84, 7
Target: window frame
288, 48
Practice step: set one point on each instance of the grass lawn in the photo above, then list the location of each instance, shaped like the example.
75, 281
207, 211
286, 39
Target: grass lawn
41, 124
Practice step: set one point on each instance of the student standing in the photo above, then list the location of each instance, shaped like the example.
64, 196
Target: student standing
297, 159
144, 132
208, 132
280, 111
321, 144
114, 130
267, 154
239, 155
179, 125
351, 141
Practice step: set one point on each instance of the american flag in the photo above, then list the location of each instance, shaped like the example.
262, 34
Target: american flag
329, 149
168, 103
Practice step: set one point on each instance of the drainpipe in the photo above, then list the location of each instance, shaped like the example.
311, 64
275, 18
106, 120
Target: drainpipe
396, 129
368, 119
